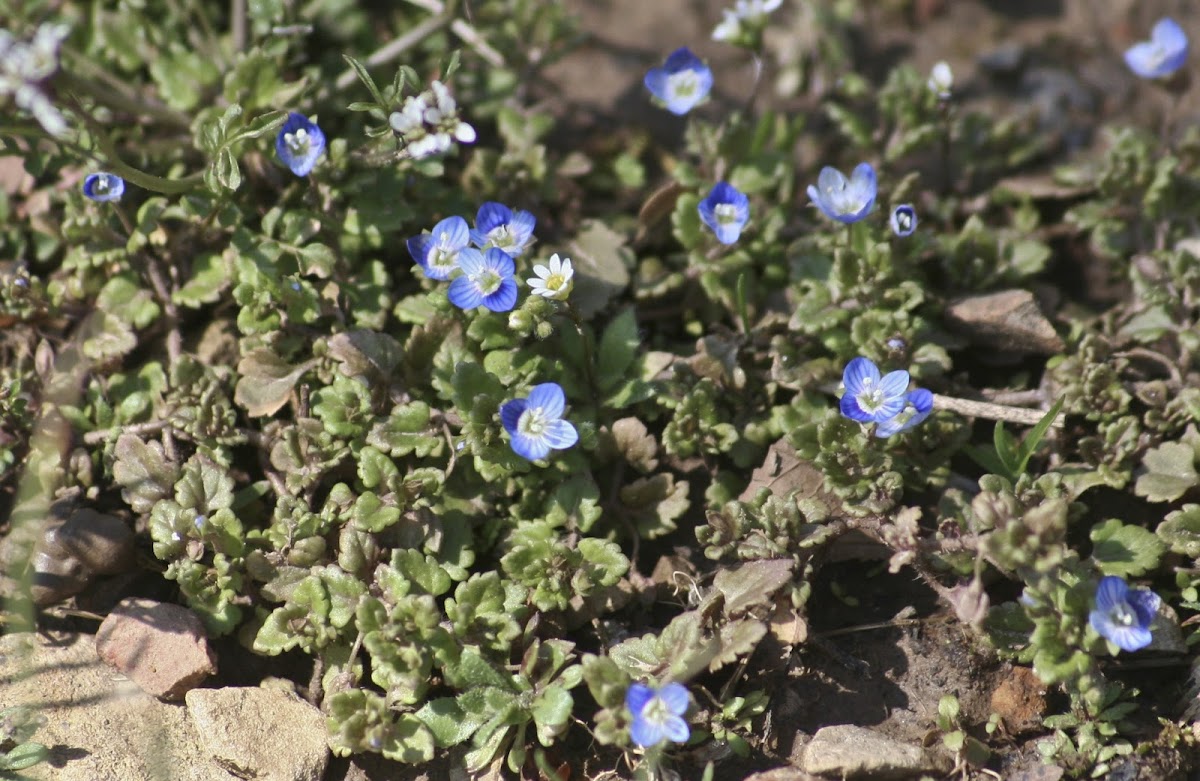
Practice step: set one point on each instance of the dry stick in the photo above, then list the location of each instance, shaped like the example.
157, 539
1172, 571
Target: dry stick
989, 411
395, 48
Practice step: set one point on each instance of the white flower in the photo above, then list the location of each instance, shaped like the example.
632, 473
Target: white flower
24, 65
729, 26
553, 280
941, 79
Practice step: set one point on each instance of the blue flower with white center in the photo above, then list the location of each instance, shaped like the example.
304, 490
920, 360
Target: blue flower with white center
1123, 615
536, 423
299, 144
870, 398
498, 226
904, 220
1160, 56
681, 83
725, 210
103, 187
842, 199
487, 281
657, 714
437, 252
917, 406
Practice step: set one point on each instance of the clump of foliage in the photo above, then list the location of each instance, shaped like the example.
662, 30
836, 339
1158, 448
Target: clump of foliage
346, 345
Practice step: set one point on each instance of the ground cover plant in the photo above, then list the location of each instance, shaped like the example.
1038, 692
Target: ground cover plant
546, 454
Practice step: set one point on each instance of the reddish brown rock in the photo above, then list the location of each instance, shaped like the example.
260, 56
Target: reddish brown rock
160, 647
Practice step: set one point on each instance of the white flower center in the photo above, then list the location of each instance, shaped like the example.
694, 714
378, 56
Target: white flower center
1123, 615
684, 84
726, 213
486, 281
297, 142
903, 221
870, 398
656, 711
443, 256
502, 238
532, 422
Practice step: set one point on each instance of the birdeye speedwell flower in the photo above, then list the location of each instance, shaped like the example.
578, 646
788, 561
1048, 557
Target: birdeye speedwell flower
498, 226
487, 281
918, 404
870, 397
299, 144
657, 714
102, 187
725, 210
553, 280
437, 252
1162, 55
536, 423
1123, 615
681, 83
842, 199
904, 220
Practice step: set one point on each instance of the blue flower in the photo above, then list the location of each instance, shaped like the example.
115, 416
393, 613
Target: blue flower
487, 280
657, 714
842, 199
498, 226
299, 144
681, 83
725, 210
1123, 615
1160, 56
103, 187
917, 406
536, 424
904, 220
870, 398
437, 252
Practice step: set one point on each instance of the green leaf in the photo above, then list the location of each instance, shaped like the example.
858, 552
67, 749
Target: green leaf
409, 741
211, 276
1181, 531
1006, 450
618, 347
266, 381
447, 721
602, 262
1035, 435
424, 571
1170, 472
372, 515
551, 711
1128, 551
751, 584
24, 756
143, 472
226, 169
472, 671
366, 79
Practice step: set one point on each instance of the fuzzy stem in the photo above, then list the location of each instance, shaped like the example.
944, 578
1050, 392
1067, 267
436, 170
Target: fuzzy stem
989, 411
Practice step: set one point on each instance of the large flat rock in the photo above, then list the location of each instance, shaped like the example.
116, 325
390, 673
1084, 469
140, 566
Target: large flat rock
99, 725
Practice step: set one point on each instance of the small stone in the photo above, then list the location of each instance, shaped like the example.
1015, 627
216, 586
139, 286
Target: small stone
102, 543
1008, 320
264, 734
160, 647
848, 752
